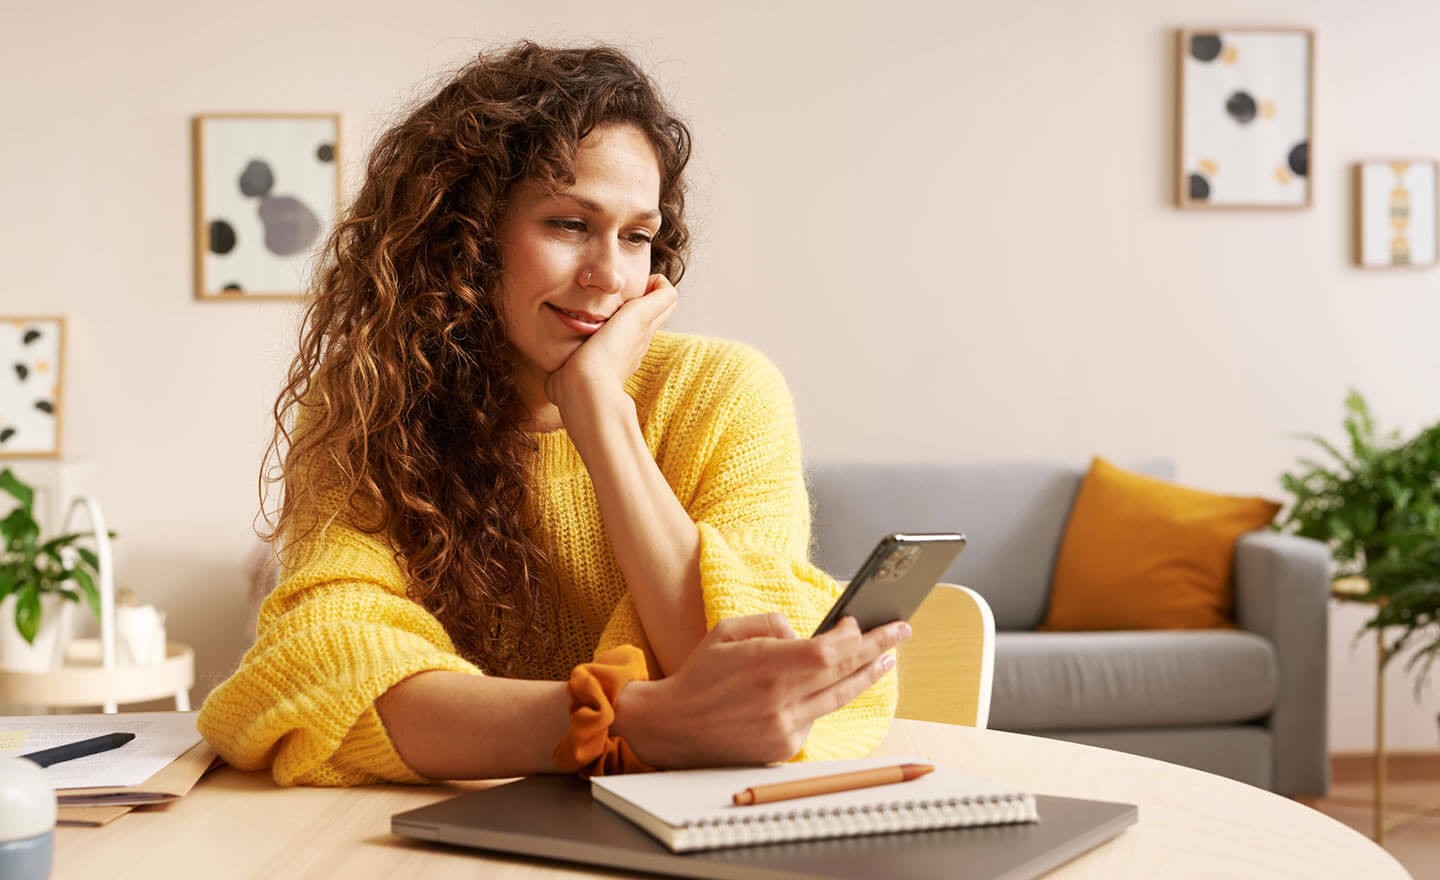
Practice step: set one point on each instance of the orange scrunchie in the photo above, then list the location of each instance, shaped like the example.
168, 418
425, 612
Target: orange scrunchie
587, 747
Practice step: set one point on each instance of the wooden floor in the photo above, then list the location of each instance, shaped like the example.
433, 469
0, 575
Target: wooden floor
1415, 844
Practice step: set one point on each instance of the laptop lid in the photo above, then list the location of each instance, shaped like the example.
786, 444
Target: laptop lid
554, 817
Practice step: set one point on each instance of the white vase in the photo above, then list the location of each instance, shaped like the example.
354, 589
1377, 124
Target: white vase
51, 640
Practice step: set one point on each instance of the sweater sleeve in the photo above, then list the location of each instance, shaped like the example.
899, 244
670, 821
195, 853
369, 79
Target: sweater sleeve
753, 514
337, 632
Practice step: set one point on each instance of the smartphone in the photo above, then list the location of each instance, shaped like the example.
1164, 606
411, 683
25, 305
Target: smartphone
901, 571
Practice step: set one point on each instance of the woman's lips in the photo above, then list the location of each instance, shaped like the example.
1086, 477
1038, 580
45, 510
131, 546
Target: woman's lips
580, 322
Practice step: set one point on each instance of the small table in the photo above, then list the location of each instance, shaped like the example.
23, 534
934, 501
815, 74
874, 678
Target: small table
1194, 824
84, 681
1357, 589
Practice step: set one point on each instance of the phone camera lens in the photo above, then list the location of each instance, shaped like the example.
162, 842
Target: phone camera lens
897, 563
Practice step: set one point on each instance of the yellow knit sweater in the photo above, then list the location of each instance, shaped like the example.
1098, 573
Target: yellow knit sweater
339, 630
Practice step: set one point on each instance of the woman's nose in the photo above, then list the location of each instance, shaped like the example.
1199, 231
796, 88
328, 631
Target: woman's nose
601, 271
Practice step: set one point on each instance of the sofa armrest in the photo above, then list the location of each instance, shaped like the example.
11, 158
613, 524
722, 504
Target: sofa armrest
1282, 593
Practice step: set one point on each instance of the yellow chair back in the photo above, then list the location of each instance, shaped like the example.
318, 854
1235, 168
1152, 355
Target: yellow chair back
947, 664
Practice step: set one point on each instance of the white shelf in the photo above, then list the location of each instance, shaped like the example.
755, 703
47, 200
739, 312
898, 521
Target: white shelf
89, 674
84, 681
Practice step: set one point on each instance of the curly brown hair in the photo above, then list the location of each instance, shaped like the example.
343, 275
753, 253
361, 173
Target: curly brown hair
404, 374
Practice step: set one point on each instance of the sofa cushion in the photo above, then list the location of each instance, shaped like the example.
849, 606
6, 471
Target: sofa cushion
1110, 680
1013, 514
1140, 553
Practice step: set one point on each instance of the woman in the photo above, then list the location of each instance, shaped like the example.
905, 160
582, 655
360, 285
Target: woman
524, 529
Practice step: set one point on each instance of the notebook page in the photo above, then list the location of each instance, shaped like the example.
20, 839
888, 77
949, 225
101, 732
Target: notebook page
688, 797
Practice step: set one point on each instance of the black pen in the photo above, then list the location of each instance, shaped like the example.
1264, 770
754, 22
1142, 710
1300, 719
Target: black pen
71, 751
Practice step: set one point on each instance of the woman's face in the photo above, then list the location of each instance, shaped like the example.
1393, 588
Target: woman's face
570, 258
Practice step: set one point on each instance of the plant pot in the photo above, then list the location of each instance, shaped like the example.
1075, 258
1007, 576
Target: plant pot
48, 651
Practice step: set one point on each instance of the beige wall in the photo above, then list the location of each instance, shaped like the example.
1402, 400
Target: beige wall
949, 224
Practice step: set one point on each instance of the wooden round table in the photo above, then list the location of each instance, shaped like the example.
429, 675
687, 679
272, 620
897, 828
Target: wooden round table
1191, 824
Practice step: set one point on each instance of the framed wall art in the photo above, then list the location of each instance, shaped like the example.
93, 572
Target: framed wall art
1395, 206
32, 354
1245, 116
267, 191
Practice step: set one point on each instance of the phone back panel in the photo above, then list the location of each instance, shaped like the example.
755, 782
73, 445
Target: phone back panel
895, 579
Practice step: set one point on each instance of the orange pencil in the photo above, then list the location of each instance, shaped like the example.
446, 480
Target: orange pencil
784, 791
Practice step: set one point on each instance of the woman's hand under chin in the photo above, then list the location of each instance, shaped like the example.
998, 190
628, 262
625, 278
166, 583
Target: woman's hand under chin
602, 363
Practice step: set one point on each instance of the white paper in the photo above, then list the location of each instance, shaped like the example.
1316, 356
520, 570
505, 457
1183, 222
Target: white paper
160, 738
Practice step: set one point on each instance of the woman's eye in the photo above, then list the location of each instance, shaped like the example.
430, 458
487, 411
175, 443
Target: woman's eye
569, 225
640, 238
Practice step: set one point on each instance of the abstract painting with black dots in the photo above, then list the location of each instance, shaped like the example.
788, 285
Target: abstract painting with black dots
30, 353
266, 197
1397, 213
1245, 126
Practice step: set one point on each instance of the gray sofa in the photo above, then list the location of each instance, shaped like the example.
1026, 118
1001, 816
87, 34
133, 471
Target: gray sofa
1249, 703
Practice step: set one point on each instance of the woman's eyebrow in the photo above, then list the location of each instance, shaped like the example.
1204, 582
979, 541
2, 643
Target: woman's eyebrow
594, 207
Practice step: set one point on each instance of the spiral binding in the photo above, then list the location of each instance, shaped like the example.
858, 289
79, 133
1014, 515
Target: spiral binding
810, 824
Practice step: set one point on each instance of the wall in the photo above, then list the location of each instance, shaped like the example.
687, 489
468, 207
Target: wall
957, 215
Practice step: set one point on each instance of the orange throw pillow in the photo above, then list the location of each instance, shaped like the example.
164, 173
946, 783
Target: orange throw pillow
1141, 553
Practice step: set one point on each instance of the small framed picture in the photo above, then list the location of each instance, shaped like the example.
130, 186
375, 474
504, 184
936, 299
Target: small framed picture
32, 352
1395, 205
267, 191
1246, 111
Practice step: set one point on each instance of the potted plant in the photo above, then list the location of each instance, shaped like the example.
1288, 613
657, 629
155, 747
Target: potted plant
39, 579
1378, 507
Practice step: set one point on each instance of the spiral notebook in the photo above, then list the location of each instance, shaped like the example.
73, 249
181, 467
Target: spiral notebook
692, 810
555, 817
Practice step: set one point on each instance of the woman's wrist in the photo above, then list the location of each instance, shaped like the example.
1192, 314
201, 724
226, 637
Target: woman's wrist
591, 746
635, 722
592, 412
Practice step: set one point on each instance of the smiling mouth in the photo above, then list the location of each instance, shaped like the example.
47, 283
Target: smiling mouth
582, 321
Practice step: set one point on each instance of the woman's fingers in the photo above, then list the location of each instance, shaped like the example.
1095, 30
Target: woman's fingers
651, 310
836, 654
750, 691
666, 298
837, 694
816, 662
821, 674
734, 629
658, 282
850, 663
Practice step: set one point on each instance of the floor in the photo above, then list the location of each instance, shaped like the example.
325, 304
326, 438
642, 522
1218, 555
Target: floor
1415, 844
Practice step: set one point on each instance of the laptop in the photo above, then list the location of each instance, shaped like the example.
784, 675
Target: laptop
554, 817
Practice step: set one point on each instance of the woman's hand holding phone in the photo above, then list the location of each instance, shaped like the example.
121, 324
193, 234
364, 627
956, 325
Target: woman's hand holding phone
750, 691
